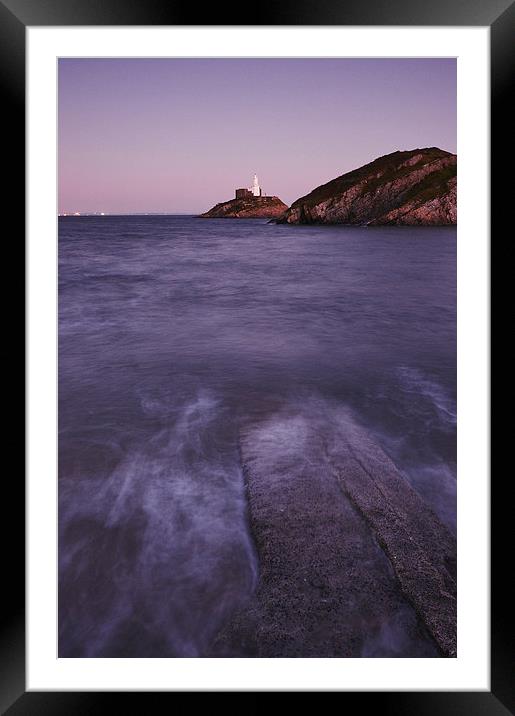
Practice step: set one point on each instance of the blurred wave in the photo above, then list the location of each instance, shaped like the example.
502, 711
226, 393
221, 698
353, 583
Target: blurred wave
153, 558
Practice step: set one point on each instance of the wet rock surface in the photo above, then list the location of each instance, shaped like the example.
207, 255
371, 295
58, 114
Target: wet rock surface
352, 562
420, 548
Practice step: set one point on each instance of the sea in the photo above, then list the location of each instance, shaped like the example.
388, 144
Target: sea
173, 332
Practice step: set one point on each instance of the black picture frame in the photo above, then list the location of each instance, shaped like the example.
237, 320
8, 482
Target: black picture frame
15, 16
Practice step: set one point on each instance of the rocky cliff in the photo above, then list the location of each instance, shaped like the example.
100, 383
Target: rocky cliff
256, 207
416, 187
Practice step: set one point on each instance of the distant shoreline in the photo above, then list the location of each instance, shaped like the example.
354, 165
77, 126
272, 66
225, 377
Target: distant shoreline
97, 215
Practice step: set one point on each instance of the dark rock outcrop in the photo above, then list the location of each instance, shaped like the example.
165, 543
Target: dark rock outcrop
416, 187
352, 561
256, 207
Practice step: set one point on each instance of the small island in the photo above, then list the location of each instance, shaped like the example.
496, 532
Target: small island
248, 203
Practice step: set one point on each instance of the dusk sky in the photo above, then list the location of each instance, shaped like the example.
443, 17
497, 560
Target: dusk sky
178, 135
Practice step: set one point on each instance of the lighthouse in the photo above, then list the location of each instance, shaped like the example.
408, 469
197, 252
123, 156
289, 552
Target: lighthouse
255, 188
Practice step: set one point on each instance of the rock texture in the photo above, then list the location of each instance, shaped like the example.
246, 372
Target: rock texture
416, 187
421, 550
352, 562
258, 207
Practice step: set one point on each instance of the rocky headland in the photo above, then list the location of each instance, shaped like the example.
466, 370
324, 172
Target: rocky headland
256, 207
416, 187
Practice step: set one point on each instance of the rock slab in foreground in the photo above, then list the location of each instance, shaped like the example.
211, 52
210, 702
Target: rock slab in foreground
257, 207
420, 548
326, 587
415, 188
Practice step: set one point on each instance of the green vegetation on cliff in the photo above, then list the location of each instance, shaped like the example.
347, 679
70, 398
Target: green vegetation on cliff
409, 187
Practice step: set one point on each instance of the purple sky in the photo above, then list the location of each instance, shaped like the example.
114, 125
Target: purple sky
174, 135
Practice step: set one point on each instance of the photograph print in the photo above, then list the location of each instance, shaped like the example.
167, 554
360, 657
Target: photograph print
257, 357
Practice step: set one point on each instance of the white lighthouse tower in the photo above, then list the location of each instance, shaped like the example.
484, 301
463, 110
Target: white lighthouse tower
255, 188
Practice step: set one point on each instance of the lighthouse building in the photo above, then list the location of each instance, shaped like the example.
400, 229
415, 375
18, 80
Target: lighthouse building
254, 190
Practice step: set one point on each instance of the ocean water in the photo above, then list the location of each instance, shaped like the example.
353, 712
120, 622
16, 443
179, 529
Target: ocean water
175, 330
